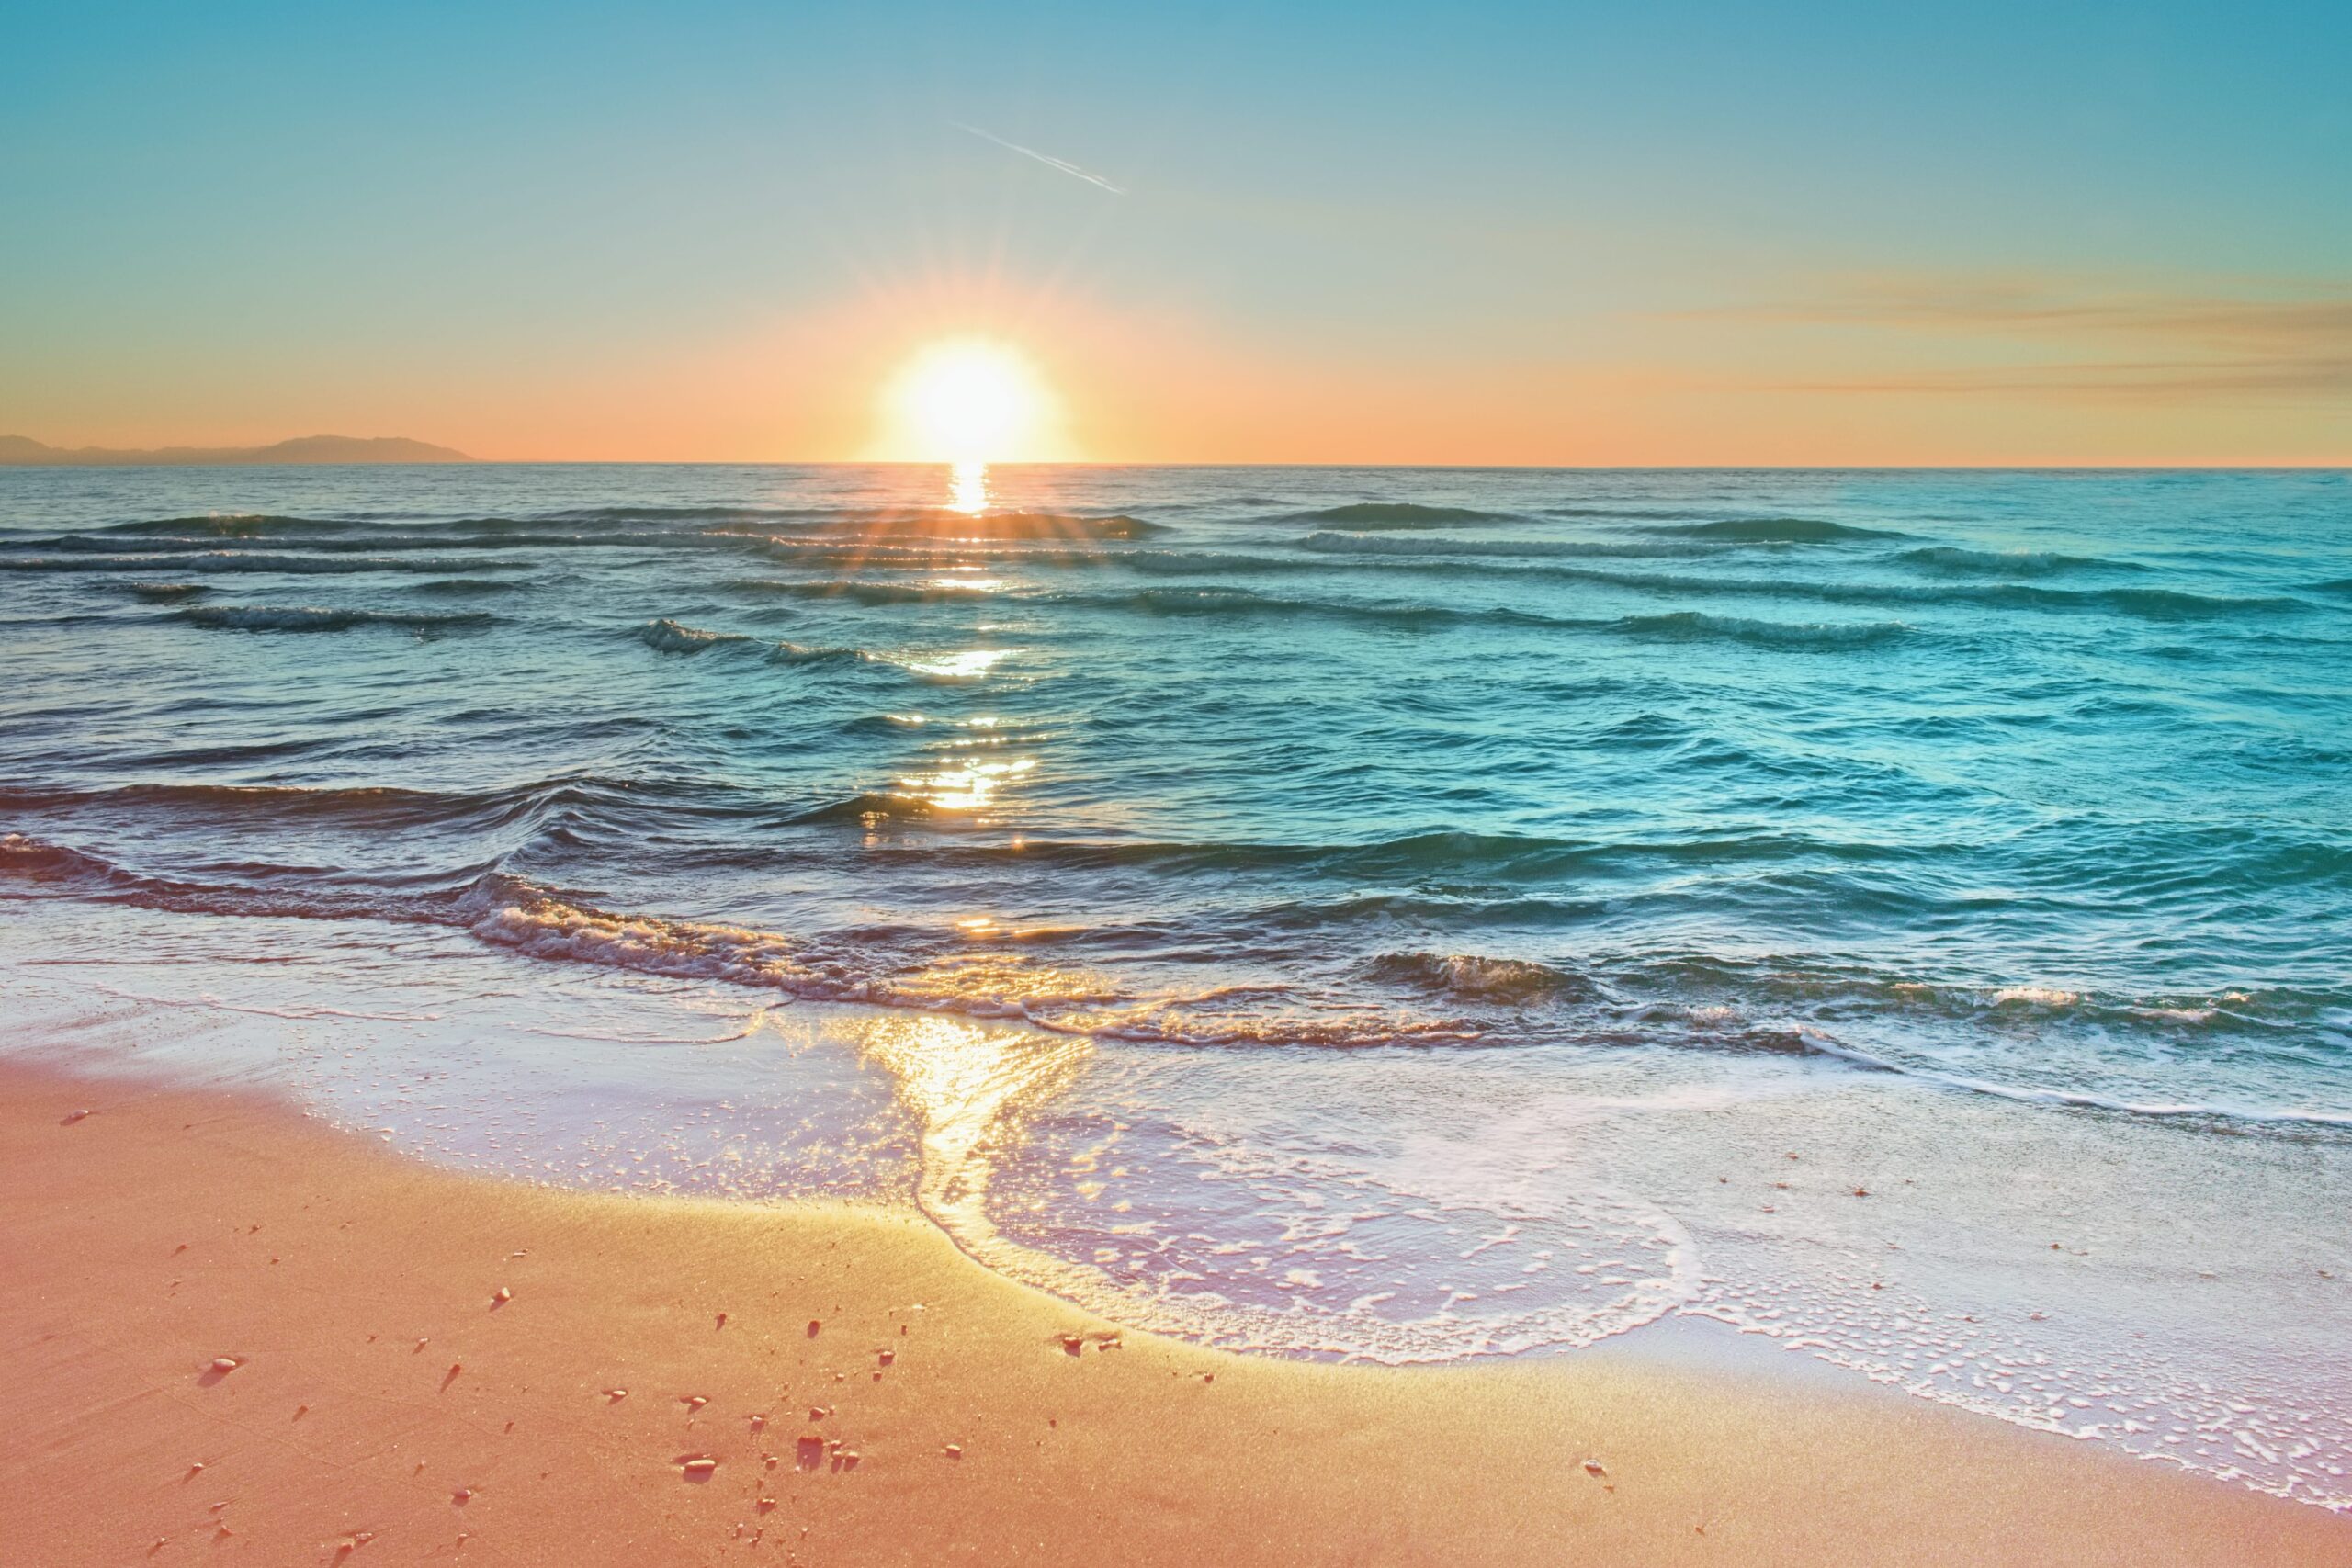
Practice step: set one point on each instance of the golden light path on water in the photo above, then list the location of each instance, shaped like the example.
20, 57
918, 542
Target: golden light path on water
986, 1095
967, 487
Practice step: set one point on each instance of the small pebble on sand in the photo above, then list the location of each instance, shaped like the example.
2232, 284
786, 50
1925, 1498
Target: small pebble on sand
1593, 1467
813, 1327
225, 1364
502, 1294
699, 1467
75, 1116
954, 1451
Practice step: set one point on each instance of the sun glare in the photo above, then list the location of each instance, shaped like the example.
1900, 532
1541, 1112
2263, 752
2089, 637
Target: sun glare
968, 403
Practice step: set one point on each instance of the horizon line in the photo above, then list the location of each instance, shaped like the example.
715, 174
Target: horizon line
2342, 464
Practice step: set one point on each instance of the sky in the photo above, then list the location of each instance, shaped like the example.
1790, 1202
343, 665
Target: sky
1796, 233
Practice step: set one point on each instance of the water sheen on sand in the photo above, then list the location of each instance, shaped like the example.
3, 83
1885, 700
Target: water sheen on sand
1397, 914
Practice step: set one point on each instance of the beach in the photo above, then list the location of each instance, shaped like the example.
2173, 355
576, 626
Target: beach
437, 1366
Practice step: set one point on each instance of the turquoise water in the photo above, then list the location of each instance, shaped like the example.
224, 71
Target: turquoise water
1509, 847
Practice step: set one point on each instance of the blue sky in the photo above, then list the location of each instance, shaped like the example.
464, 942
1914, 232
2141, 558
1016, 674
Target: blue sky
1475, 233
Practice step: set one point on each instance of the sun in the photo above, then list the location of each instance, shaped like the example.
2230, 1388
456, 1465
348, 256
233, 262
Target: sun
968, 400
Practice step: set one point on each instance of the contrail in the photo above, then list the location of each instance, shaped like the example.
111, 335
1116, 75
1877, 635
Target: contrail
1047, 159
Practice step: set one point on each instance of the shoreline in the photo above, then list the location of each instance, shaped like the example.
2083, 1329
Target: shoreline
386, 1403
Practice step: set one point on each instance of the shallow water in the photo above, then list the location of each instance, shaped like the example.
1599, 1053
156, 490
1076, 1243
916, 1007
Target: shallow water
1397, 914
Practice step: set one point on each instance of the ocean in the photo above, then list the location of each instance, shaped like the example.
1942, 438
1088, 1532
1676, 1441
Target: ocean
1406, 915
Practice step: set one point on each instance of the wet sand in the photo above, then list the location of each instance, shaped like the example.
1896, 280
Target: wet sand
431, 1367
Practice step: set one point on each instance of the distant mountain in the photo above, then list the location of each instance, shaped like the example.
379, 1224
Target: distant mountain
22, 449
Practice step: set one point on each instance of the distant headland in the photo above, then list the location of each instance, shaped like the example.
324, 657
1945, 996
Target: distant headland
23, 450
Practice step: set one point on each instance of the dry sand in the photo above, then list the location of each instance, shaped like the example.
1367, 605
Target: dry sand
427, 1366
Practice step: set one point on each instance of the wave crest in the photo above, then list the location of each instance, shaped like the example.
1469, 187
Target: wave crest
1775, 531
1511, 982
666, 636
1694, 626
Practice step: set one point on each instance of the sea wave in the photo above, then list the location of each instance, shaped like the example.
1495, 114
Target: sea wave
666, 636
1611, 1006
2143, 604
469, 587
864, 593
942, 523
228, 561
1343, 544
797, 653
2006, 563
2167, 1110
228, 525
1398, 515
1243, 601
1694, 626
312, 618
1776, 531
1514, 982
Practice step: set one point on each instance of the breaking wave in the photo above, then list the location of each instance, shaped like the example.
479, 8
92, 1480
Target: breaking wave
666, 636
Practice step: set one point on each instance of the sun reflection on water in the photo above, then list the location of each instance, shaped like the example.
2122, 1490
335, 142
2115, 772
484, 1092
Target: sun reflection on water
970, 1086
967, 487
966, 786
965, 665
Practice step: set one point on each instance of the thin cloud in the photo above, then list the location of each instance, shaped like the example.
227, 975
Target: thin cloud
1063, 164
2179, 380
2190, 345
2026, 309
